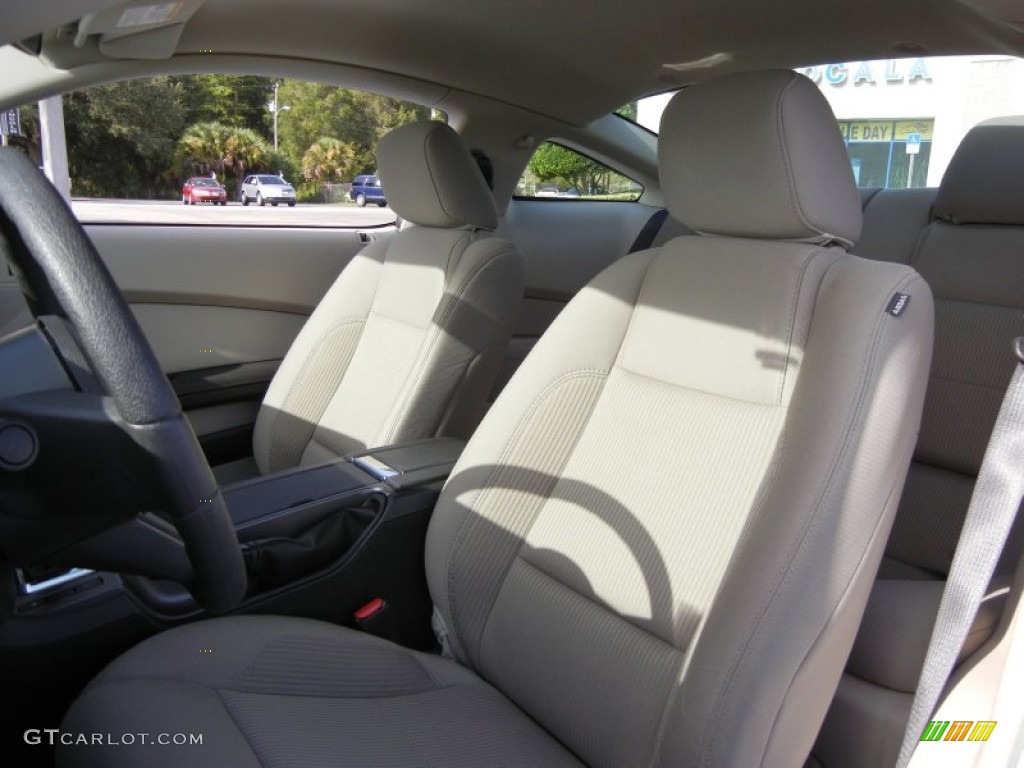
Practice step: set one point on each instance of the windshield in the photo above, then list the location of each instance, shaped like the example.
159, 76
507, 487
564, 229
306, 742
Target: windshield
204, 183
271, 180
902, 119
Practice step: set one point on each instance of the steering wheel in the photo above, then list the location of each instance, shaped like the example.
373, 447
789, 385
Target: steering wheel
118, 425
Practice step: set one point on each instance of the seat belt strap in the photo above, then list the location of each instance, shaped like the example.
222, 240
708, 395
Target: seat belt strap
645, 239
993, 508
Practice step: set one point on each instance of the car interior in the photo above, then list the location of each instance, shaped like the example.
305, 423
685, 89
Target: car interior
674, 480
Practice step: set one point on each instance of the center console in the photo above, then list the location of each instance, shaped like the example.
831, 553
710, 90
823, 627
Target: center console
321, 541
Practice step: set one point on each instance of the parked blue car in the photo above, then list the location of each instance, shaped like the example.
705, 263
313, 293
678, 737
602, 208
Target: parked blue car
367, 189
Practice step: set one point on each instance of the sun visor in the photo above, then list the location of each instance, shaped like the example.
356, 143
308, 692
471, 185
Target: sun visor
137, 30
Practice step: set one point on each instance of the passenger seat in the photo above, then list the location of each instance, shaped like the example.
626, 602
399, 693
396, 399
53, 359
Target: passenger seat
407, 342
972, 255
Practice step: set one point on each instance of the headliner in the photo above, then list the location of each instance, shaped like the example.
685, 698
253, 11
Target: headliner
571, 60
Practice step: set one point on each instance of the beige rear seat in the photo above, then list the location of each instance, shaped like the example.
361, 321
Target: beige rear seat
971, 252
893, 220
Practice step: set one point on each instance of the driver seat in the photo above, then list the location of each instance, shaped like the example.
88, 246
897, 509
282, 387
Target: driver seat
657, 547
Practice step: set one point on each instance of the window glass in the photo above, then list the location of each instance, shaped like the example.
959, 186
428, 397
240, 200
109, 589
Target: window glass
649, 109
889, 153
557, 172
628, 111
902, 119
132, 146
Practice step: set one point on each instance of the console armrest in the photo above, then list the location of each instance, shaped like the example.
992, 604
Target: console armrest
261, 497
255, 503
405, 465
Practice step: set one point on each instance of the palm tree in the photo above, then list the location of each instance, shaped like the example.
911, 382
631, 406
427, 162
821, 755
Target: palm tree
229, 151
201, 148
244, 150
327, 158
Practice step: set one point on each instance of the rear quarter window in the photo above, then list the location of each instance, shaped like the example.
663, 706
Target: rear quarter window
556, 172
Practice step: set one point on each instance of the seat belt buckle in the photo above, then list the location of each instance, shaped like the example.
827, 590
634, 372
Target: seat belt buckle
378, 618
1018, 348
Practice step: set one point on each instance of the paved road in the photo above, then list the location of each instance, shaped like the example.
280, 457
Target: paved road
167, 212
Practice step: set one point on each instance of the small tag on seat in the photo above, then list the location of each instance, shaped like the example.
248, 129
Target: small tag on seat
898, 304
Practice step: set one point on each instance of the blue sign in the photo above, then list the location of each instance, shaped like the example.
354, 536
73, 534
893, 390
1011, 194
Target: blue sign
10, 124
913, 143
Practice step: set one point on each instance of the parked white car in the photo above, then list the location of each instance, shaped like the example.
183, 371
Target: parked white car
264, 188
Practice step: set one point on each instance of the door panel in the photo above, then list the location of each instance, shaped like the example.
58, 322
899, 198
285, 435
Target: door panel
278, 269
222, 305
567, 242
212, 296
192, 337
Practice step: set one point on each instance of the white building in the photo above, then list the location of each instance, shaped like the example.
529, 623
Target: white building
933, 102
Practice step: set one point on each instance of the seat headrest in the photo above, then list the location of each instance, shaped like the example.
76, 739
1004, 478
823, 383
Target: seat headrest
758, 155
431, 179
984, 182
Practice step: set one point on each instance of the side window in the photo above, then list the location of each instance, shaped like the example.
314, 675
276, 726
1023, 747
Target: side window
557, 172
142, 141
902, 119
889, 153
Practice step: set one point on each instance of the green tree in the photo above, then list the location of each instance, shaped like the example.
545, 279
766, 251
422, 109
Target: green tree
201, 149
275, 161
239, 101
355, 118
551, 162
628, 111
230, 152
244, 151
327, 159
122, 137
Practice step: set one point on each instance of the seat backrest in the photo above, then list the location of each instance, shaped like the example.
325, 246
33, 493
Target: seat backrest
660, 539
893, 220
407, 342
972, 255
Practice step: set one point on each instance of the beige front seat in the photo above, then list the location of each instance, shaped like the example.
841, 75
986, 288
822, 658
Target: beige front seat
656, 548
407, 342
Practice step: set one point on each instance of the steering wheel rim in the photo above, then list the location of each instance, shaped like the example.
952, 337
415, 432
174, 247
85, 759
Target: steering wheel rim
64, 276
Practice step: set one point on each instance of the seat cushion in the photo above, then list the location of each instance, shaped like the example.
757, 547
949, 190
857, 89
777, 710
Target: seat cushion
279, 691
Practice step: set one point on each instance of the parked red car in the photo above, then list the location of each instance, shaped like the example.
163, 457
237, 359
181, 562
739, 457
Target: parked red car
200, 189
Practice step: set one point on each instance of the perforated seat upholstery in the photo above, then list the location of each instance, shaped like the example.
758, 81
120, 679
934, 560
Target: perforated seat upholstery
972, 255
656, 548
407, 342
